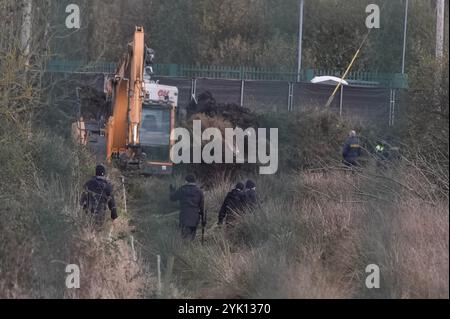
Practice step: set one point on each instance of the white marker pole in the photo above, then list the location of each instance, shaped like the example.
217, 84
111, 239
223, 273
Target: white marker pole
132, 248
124, 194
159, 274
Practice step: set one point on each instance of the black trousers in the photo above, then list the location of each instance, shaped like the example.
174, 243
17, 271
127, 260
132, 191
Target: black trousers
188, 232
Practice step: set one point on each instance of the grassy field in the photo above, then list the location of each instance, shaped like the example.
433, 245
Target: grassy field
312, 237
317, 229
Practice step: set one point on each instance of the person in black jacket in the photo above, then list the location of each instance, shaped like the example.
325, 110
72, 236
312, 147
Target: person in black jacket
351, 150
233, 205
97, 194
192, 206
251, 198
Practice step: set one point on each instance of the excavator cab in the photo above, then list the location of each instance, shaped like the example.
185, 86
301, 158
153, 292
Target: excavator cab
157, 123
148, 142
155, 136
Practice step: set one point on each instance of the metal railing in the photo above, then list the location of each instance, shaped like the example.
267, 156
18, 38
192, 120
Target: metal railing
370, 79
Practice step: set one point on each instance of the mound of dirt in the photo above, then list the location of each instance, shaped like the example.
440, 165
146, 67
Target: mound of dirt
220, 116
93, 104
237, 115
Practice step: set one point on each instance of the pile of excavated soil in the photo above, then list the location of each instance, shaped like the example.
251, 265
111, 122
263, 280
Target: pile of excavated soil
237, 115
220, 116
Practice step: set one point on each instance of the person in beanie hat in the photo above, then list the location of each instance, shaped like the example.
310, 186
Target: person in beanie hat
233, 205
97, 194
192, 206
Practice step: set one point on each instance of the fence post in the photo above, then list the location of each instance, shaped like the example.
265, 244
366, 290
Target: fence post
394, 91
290, 96
242, 92
341, 101
392, 107
194, 89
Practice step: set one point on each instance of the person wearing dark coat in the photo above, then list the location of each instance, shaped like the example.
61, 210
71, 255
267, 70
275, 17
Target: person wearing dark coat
351, 150
97, 194
192, 206
233, 205
251, 198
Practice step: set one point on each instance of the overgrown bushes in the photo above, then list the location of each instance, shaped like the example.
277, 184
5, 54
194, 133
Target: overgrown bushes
312, 237
42, 228
307, 139
318, 226
35, 212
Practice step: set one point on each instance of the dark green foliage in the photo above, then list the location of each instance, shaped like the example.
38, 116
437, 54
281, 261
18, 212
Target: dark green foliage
36, 184
308, 139
254, 33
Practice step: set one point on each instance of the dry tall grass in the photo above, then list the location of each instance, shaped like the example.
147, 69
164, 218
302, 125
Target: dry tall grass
313, 237
420, 250
42, 229
107, 265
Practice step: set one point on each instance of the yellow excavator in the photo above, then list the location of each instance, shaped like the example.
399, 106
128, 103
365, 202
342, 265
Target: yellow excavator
137, 131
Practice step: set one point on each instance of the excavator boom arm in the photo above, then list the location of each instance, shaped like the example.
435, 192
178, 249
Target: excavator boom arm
143, 112
123, 126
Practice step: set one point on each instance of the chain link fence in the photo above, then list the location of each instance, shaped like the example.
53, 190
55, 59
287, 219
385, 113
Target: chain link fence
370, 97
366, 104
376, 105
